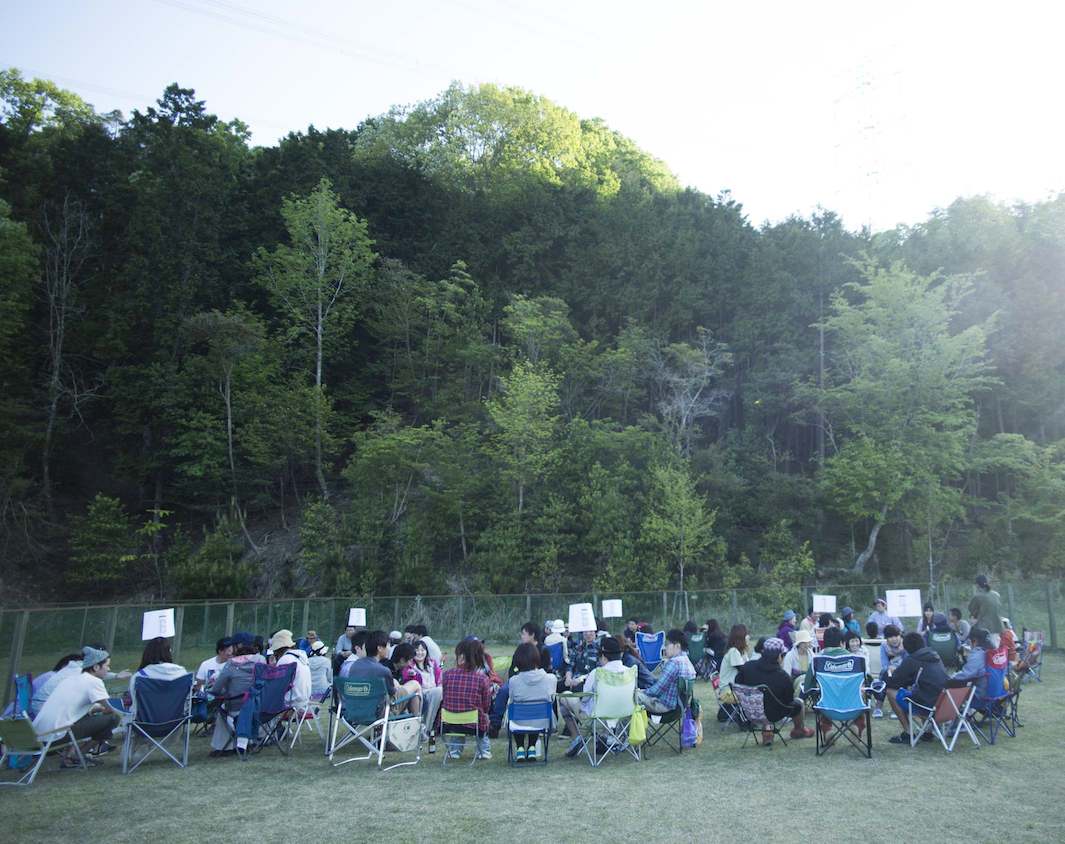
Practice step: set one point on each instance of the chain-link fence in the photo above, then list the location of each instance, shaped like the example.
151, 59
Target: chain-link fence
34, 639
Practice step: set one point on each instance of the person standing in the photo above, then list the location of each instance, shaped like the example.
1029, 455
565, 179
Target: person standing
985, 609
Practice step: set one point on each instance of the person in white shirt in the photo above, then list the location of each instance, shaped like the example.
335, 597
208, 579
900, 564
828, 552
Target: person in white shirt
80, 703
68, 666
609, 660
358, 646
321, 668
157, 663
285, 653
394, 638
223, 650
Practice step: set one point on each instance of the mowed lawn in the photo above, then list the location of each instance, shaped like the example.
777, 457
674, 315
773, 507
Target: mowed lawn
718, 792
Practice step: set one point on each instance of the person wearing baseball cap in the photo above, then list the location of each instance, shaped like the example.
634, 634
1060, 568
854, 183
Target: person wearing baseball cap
881, 619
81, 704
768, 671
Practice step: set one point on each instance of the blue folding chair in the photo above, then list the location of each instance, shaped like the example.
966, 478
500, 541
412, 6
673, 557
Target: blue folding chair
22, 705
990, 712
262, 718
163, 711
842, 712
558, 655
519, 718
650, 646
362, 707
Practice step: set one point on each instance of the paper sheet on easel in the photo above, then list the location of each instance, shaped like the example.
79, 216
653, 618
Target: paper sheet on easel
581, 617
824, 603
904, 603
612, 608
356, 617
157, 623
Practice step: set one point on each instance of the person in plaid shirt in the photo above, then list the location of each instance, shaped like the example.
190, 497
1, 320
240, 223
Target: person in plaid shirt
466, 687
662, 695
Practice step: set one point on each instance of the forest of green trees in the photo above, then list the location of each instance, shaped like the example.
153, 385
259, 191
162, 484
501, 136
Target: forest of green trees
483, 344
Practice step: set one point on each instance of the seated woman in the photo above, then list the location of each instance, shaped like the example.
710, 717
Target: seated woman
737, 653
797, 660
716, 641
426, 671
157, 663
780, 703
630, 656
230, 684
466, 687
321, 668
531, 683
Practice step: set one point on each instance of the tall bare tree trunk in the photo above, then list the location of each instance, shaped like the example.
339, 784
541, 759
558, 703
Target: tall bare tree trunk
870, 546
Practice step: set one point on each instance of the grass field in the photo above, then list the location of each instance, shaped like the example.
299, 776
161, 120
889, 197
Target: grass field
718, 792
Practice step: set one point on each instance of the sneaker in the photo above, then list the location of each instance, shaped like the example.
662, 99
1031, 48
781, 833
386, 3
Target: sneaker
878, 713
519, 754
894, 717
531, 753
574, 748
454, 754
100, 749
901, 738
805, 732
487, 754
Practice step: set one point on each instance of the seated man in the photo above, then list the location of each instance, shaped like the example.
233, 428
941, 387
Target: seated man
944, 641
358, 651
892, 653
223, 650
920, 677
833, 646
371, 666
573, 708
768, 671
975, 668
81, 701
959, 625
661, 696
343, 647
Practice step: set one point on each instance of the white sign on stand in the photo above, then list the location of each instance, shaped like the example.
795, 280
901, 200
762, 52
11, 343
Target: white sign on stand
157, 623
824, 603
581, 618
356, 617
612, 608
904, 603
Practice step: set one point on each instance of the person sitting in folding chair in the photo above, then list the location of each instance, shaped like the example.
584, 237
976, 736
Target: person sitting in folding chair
285, 653
81, 704
530, 684
576, 709
921, 675
230, 686
944, 641
321, 668
768, 671
975, 668
358, 651
207, 669
661, 696
157, 663
466, 689
364, 669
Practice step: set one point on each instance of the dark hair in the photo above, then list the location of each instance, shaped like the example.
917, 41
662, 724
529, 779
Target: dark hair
712, 627
404, 650
472, 653
954, 611
532, 630
59, 666
375, 640
979, 636
527, 657
222, 644
677, 637
628, 646
409, 628
833, 637
632, 621
759, 644
847, 636
891, 630
245, 648
927, 607
737, 638
156, 651
872, 629
690, 627
420, 630
824, 620
428, 658
260, 645
912, 642
358, 639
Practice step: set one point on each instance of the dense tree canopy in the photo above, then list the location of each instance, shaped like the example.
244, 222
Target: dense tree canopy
483, 343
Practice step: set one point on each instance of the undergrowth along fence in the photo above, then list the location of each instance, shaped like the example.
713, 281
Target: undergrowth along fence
33, 638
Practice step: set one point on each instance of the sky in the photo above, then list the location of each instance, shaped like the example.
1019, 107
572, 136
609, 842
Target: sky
879, 111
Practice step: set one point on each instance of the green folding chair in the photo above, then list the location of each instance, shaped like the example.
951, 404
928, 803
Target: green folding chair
456, 724
670, 723
20, 739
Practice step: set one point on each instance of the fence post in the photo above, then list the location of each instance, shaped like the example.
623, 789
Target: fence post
528, 606
112, 627
665, 611
179, 624
270, 618
1050, 618
462, 622
206, 620
18, 639
946, 597
1009, 604
229, 619
395, 614
735, 608
306, 616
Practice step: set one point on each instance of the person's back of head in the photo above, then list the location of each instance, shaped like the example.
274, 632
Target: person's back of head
402, 653
358, 640
833, 637
376, 641
469, 653
759, 645
712, 627
872, 629
421, 630
156, 651
677, 637
824, 620
983, 583
913, 642
690, 627
737, 638
980, 638
526, 657
66, 660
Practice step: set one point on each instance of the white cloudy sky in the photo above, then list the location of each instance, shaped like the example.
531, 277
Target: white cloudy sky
881, 111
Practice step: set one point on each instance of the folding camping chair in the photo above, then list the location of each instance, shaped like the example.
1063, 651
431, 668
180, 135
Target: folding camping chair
991, 712
843, 712
731, 710
946, 645
840, 693
163, 710
607, 726
699, 657
261, 719
308, 717
363, 708
650, 646
466, 724
558, 655
526, 712
751, 700
1031, 663
947, 720
670, 723
20, 739
22, 705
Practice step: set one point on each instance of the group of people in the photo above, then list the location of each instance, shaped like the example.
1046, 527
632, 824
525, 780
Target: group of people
549, 662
